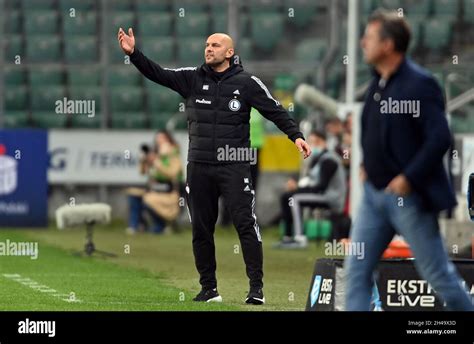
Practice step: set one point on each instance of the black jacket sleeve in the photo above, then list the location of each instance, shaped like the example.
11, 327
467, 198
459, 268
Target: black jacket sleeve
328, 168
179, 80
271, 109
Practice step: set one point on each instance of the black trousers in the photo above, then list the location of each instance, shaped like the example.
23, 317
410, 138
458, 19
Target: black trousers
205, 183
254, 172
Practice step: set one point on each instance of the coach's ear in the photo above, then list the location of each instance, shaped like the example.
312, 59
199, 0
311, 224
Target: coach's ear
230, 52
130, 32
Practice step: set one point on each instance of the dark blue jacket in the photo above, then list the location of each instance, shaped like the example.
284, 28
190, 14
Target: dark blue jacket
416, 145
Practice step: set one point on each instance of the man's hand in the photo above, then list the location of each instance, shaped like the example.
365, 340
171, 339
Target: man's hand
303, 147
399, 185
127, 42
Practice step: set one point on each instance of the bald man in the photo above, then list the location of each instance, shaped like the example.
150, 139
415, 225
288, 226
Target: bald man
219, 96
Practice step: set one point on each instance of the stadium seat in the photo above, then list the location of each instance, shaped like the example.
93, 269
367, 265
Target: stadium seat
14, 76
40, 22
155, 24
416, 26
304, 11
120, 5
84, 23
364, 73
161, 99
45, 76
244, 49
263, 7
116, 54
43, 48
120, 19
79, 5
126, 99
85, 122
13, 47
27, 5
392, 4
334, 79
189, 6
124, 76
159, 49
468, 11
159, 120
13, 22
129, 120
220, 24
446, 9
219, 8
81, 49
16, 98
87, 93
83, 76
437, 34
267, 30
420, 8
15, 119
153, 6
460, 124
44, 98
311, 50
48, 119
366, 8
191, 51
192, 25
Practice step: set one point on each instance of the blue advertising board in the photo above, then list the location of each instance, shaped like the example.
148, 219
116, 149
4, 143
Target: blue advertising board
23, 178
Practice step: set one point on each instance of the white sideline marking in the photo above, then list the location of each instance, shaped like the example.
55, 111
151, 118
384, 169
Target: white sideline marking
28, 282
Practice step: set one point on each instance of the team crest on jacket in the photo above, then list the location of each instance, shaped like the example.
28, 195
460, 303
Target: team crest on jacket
234, 105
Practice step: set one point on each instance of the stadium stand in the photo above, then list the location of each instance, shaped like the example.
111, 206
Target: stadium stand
61, 51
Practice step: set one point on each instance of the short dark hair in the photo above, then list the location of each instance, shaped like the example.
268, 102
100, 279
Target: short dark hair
394, 27
319, 133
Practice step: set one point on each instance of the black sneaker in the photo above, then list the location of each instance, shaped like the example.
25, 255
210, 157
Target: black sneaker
208, 295
255, 297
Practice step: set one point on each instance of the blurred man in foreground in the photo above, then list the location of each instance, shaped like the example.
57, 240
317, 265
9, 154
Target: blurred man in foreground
405, 135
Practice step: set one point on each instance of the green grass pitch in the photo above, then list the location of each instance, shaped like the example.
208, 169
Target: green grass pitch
150, 273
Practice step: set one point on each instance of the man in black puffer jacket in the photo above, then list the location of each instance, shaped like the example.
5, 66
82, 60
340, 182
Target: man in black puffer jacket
219, 96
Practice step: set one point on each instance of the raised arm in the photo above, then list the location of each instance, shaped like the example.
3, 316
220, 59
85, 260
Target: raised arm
179, 80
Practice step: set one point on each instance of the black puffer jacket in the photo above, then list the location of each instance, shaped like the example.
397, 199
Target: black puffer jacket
218, 106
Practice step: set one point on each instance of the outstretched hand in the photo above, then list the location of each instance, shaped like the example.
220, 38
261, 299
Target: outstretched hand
127, 42
303, 147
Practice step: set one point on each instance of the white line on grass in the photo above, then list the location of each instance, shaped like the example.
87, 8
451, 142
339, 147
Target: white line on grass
28, 282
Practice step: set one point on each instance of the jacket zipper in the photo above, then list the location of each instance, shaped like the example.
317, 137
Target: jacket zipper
216, 109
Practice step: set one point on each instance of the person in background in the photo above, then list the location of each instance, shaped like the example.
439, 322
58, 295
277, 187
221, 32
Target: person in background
323, 185
160, 198
334, 129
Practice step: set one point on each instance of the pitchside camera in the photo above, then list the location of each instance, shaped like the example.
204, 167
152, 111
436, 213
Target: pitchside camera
470, 196
145, 148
